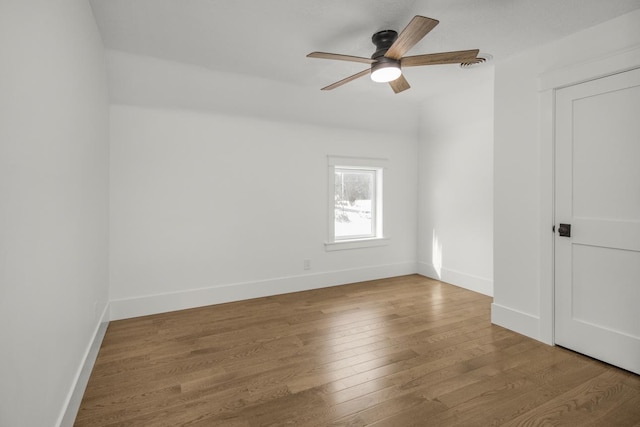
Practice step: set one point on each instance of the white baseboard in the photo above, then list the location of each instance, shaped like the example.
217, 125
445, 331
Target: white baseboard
463, 280
190, 298
517, 321
74, 398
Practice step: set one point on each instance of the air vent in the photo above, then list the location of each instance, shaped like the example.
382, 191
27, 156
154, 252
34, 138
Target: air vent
478, 61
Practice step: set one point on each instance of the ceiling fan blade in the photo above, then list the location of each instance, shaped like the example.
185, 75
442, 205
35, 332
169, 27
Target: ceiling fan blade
347, 80
399, 84
412, 34
337, 56
440, 58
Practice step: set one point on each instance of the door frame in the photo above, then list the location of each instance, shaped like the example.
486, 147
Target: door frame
548, 84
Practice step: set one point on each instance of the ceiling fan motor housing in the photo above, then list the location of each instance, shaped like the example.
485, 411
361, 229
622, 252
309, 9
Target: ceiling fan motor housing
383, 41
384, 69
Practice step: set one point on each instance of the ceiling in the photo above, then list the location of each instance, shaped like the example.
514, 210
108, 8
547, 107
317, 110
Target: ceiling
270, 39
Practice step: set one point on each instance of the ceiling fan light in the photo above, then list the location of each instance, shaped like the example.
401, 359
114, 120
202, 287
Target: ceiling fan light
385, 71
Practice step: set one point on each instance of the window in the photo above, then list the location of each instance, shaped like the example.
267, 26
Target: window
355, 203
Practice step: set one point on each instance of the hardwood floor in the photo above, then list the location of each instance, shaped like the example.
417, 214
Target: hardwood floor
406, 351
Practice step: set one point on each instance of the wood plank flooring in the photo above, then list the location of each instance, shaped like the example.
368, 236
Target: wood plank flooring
405, 351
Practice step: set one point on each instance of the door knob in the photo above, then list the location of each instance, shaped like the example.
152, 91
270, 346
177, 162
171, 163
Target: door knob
564, 230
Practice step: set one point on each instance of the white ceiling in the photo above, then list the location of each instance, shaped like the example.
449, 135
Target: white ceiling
269, 39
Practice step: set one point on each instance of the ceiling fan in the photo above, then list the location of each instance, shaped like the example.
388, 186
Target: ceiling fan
388, 60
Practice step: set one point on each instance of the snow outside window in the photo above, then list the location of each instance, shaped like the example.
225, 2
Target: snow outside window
355, 203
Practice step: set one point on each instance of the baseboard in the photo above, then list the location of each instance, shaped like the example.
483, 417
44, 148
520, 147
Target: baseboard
190, 298
457, 278
72, 403
517, 321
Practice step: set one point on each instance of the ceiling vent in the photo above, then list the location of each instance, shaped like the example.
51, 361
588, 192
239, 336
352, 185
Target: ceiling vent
481, 59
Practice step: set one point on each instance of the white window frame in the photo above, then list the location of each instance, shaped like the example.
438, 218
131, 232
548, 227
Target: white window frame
377, 165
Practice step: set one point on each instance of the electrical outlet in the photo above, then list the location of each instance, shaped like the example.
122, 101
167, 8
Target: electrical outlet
307, 264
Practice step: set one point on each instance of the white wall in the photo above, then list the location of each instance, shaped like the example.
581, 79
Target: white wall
523, 214
54, 203
455, 215
208, 208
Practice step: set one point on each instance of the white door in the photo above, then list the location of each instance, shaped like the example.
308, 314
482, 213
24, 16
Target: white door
597, 180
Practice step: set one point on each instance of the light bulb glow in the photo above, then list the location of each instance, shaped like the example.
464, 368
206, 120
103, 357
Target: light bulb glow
385, 72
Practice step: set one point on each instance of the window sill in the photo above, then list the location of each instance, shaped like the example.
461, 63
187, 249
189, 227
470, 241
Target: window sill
341, 245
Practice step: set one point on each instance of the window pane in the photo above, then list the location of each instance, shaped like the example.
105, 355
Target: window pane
354, 203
